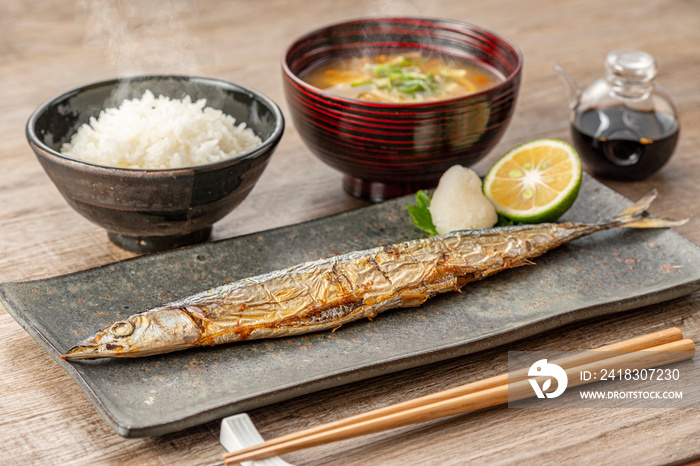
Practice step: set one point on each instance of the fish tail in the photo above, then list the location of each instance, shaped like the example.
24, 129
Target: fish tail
636, 216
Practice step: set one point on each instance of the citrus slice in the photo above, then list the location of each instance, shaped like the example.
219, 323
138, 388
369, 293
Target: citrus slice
535, 182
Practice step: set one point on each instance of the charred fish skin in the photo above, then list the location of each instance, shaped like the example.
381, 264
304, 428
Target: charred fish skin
327, 293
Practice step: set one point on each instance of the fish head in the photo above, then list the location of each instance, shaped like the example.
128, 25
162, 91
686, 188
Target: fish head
154, 332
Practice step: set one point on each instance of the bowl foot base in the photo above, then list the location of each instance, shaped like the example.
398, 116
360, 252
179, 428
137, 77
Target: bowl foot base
376, 191
148, 244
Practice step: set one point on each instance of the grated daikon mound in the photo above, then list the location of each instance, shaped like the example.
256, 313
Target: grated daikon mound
459, 204
160, 133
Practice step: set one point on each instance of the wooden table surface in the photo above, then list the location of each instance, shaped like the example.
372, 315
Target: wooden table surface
49, 46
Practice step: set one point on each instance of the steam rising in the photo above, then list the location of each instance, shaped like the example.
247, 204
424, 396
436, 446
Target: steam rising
148, 36
390, 8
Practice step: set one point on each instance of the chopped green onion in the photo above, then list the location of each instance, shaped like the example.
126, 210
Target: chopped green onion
405, 77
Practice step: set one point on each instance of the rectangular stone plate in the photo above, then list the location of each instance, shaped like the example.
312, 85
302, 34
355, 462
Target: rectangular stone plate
605, 273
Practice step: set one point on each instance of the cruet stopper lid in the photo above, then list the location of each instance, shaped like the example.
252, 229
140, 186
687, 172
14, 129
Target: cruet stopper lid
631, 66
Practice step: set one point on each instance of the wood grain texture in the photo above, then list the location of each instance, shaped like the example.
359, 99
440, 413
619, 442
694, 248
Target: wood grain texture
49, 46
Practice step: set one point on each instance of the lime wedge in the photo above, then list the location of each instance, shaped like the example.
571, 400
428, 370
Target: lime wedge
535, 182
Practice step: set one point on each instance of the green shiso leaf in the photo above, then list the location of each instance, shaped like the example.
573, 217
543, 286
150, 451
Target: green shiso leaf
421, 213
504, 221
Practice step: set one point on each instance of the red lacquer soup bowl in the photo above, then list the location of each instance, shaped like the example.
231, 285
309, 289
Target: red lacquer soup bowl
390, 149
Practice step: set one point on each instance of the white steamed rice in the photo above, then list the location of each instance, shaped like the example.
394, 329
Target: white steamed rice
158, 133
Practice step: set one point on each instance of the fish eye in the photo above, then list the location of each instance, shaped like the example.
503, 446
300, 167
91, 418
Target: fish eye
122, 329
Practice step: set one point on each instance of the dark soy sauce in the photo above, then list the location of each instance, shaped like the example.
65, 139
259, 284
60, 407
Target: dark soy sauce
622, 144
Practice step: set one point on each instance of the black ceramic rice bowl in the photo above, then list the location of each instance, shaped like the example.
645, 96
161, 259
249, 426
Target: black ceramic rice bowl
147, 210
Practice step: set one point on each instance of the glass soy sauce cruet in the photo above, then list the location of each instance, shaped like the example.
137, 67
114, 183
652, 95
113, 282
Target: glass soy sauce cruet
624, 126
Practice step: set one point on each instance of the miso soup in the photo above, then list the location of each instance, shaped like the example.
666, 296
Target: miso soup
402, 78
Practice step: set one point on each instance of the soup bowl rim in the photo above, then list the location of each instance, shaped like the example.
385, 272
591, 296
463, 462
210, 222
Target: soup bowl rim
505, 83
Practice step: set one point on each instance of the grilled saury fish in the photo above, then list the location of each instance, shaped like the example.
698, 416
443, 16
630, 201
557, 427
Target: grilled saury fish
328, 293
